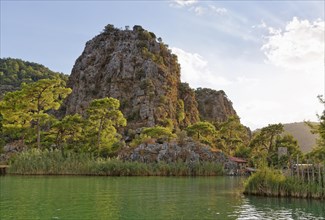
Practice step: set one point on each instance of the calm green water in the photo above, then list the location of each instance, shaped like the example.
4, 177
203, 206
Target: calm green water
66, 197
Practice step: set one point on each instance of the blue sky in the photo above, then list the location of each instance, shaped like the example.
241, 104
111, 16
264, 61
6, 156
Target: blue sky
268, 56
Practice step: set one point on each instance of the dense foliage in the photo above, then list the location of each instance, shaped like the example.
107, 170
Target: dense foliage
26, 116
265, 147
269, 182
29, 106
318, 153
52, 162
14, 72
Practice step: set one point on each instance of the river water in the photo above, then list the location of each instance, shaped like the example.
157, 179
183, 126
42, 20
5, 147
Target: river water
80, 197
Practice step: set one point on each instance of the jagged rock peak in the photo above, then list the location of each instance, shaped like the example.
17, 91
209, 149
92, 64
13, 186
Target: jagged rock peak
135, 67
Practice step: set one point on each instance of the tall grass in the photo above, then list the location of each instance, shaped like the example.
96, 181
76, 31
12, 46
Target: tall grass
269, 182
46, 162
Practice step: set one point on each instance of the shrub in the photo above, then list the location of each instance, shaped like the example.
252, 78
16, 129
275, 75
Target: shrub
53, 163
141, 139
158, 132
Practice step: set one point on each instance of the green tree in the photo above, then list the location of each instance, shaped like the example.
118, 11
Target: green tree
15, 117
14, 72
318, 152
293, 150
21, 109
202, 131
67, 129
103, 118
266, 142
321, 127
232, 136
42, 96
263, 142
158, 132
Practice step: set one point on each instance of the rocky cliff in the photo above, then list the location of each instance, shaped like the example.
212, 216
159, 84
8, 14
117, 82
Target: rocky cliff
138, 69
214, 106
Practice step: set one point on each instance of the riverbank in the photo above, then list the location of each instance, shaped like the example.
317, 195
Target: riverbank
37, 162
272, 183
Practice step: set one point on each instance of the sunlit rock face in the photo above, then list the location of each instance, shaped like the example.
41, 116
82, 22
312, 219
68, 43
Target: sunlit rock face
138, 69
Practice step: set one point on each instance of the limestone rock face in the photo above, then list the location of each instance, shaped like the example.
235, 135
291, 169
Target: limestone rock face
214, 106
172, 152
190, 152
187, 94
10, 150
140, 71
132, 66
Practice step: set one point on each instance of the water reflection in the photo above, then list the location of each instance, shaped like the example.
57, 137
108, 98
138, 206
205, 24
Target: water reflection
255, 207
63, 197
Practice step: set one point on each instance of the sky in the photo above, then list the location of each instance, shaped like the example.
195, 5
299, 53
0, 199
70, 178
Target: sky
268, 56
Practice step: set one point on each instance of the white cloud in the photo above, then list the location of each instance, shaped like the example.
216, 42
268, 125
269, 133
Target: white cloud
261, 25
196, 72
208, 10
219, 11
199, 10
283, 89
182, 3
299, 46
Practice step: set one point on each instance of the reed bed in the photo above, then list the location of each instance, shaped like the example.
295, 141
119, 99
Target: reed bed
45, 162
269, 182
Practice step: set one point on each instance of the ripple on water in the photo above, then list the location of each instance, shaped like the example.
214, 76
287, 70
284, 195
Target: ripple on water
53, 197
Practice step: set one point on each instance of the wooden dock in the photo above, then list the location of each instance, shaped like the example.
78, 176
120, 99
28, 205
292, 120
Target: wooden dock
3, 169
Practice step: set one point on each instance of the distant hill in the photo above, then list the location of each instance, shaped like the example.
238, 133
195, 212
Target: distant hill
13, 72
302, 134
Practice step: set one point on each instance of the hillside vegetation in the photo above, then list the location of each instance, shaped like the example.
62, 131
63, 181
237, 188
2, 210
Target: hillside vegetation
125, 99
14, 72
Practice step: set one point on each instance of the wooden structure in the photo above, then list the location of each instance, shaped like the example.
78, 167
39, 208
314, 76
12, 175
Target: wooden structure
240, 165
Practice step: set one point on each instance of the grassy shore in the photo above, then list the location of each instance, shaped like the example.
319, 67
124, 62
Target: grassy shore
37, 162
269, 182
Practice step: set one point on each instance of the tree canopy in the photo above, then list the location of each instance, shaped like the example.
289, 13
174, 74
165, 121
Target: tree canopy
158, 132
14, 72
318, 152
232, 136
268, 140
30, 105
103, 117
201, 130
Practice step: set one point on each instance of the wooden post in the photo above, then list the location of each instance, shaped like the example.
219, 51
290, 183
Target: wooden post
313, 170
308, 170
323, 185
297, 166
319, 175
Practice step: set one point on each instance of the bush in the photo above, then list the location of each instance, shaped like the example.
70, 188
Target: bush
142, 139
53, 163
158, 132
